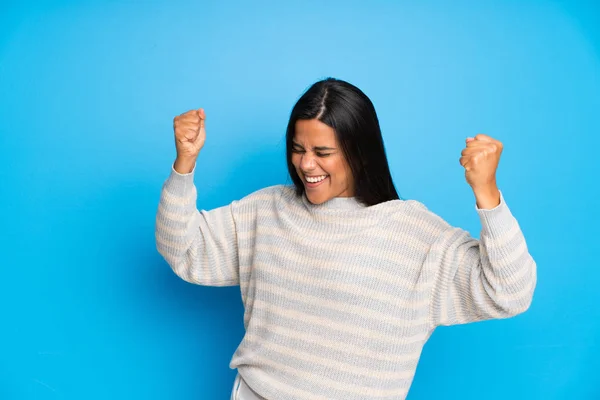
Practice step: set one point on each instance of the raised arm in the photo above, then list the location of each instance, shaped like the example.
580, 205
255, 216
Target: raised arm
200, 246
493, 277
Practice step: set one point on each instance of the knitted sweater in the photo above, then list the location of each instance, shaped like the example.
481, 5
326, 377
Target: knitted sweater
340, 298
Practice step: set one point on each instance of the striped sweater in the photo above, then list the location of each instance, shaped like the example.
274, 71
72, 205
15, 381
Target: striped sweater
340, 298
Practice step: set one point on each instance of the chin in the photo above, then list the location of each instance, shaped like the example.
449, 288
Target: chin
316, 199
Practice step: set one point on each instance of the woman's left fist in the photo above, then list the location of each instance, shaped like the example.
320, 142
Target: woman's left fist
480, 159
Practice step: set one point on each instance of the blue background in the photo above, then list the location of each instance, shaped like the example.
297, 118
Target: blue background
88, 92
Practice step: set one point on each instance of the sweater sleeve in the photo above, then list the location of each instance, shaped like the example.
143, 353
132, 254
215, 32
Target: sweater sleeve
490, 278
200, 246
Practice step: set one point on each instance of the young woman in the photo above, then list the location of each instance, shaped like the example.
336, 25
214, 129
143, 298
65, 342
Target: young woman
342, 282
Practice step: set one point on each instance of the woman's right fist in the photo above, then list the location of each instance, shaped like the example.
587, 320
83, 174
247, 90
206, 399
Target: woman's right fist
189, 134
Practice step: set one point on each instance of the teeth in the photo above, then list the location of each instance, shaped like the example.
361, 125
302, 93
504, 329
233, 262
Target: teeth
315, 179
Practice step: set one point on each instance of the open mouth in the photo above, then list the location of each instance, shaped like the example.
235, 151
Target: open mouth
314, 181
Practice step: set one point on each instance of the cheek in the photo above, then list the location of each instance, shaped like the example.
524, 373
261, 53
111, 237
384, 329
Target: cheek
296, 160
335, 167
340, 172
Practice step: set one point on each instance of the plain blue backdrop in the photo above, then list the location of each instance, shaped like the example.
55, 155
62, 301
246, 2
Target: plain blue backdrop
88, 92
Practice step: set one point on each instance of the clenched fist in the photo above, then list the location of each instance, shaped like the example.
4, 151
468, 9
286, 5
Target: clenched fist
190, 135
480, 159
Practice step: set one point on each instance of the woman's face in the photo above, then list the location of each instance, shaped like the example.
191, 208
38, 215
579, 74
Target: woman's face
320, 162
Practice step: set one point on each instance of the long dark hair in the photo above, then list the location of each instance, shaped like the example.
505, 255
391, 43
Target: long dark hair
351, 114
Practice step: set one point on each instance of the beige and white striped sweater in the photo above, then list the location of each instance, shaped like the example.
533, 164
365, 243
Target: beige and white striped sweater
340, 298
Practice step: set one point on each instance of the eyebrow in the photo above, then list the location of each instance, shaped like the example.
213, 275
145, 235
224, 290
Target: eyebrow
320, 148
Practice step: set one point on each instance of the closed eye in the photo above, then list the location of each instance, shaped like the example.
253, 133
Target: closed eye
299, 151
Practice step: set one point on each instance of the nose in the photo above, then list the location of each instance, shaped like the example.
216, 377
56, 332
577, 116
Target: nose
307, 162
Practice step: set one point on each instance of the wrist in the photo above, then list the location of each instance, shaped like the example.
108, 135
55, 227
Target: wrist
184, 165
487, 197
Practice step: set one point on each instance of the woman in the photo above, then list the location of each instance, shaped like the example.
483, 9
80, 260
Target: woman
342, 281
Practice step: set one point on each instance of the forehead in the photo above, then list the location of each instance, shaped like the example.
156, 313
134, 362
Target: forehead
314, 132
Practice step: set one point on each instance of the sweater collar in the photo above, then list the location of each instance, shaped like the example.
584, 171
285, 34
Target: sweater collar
335, 204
